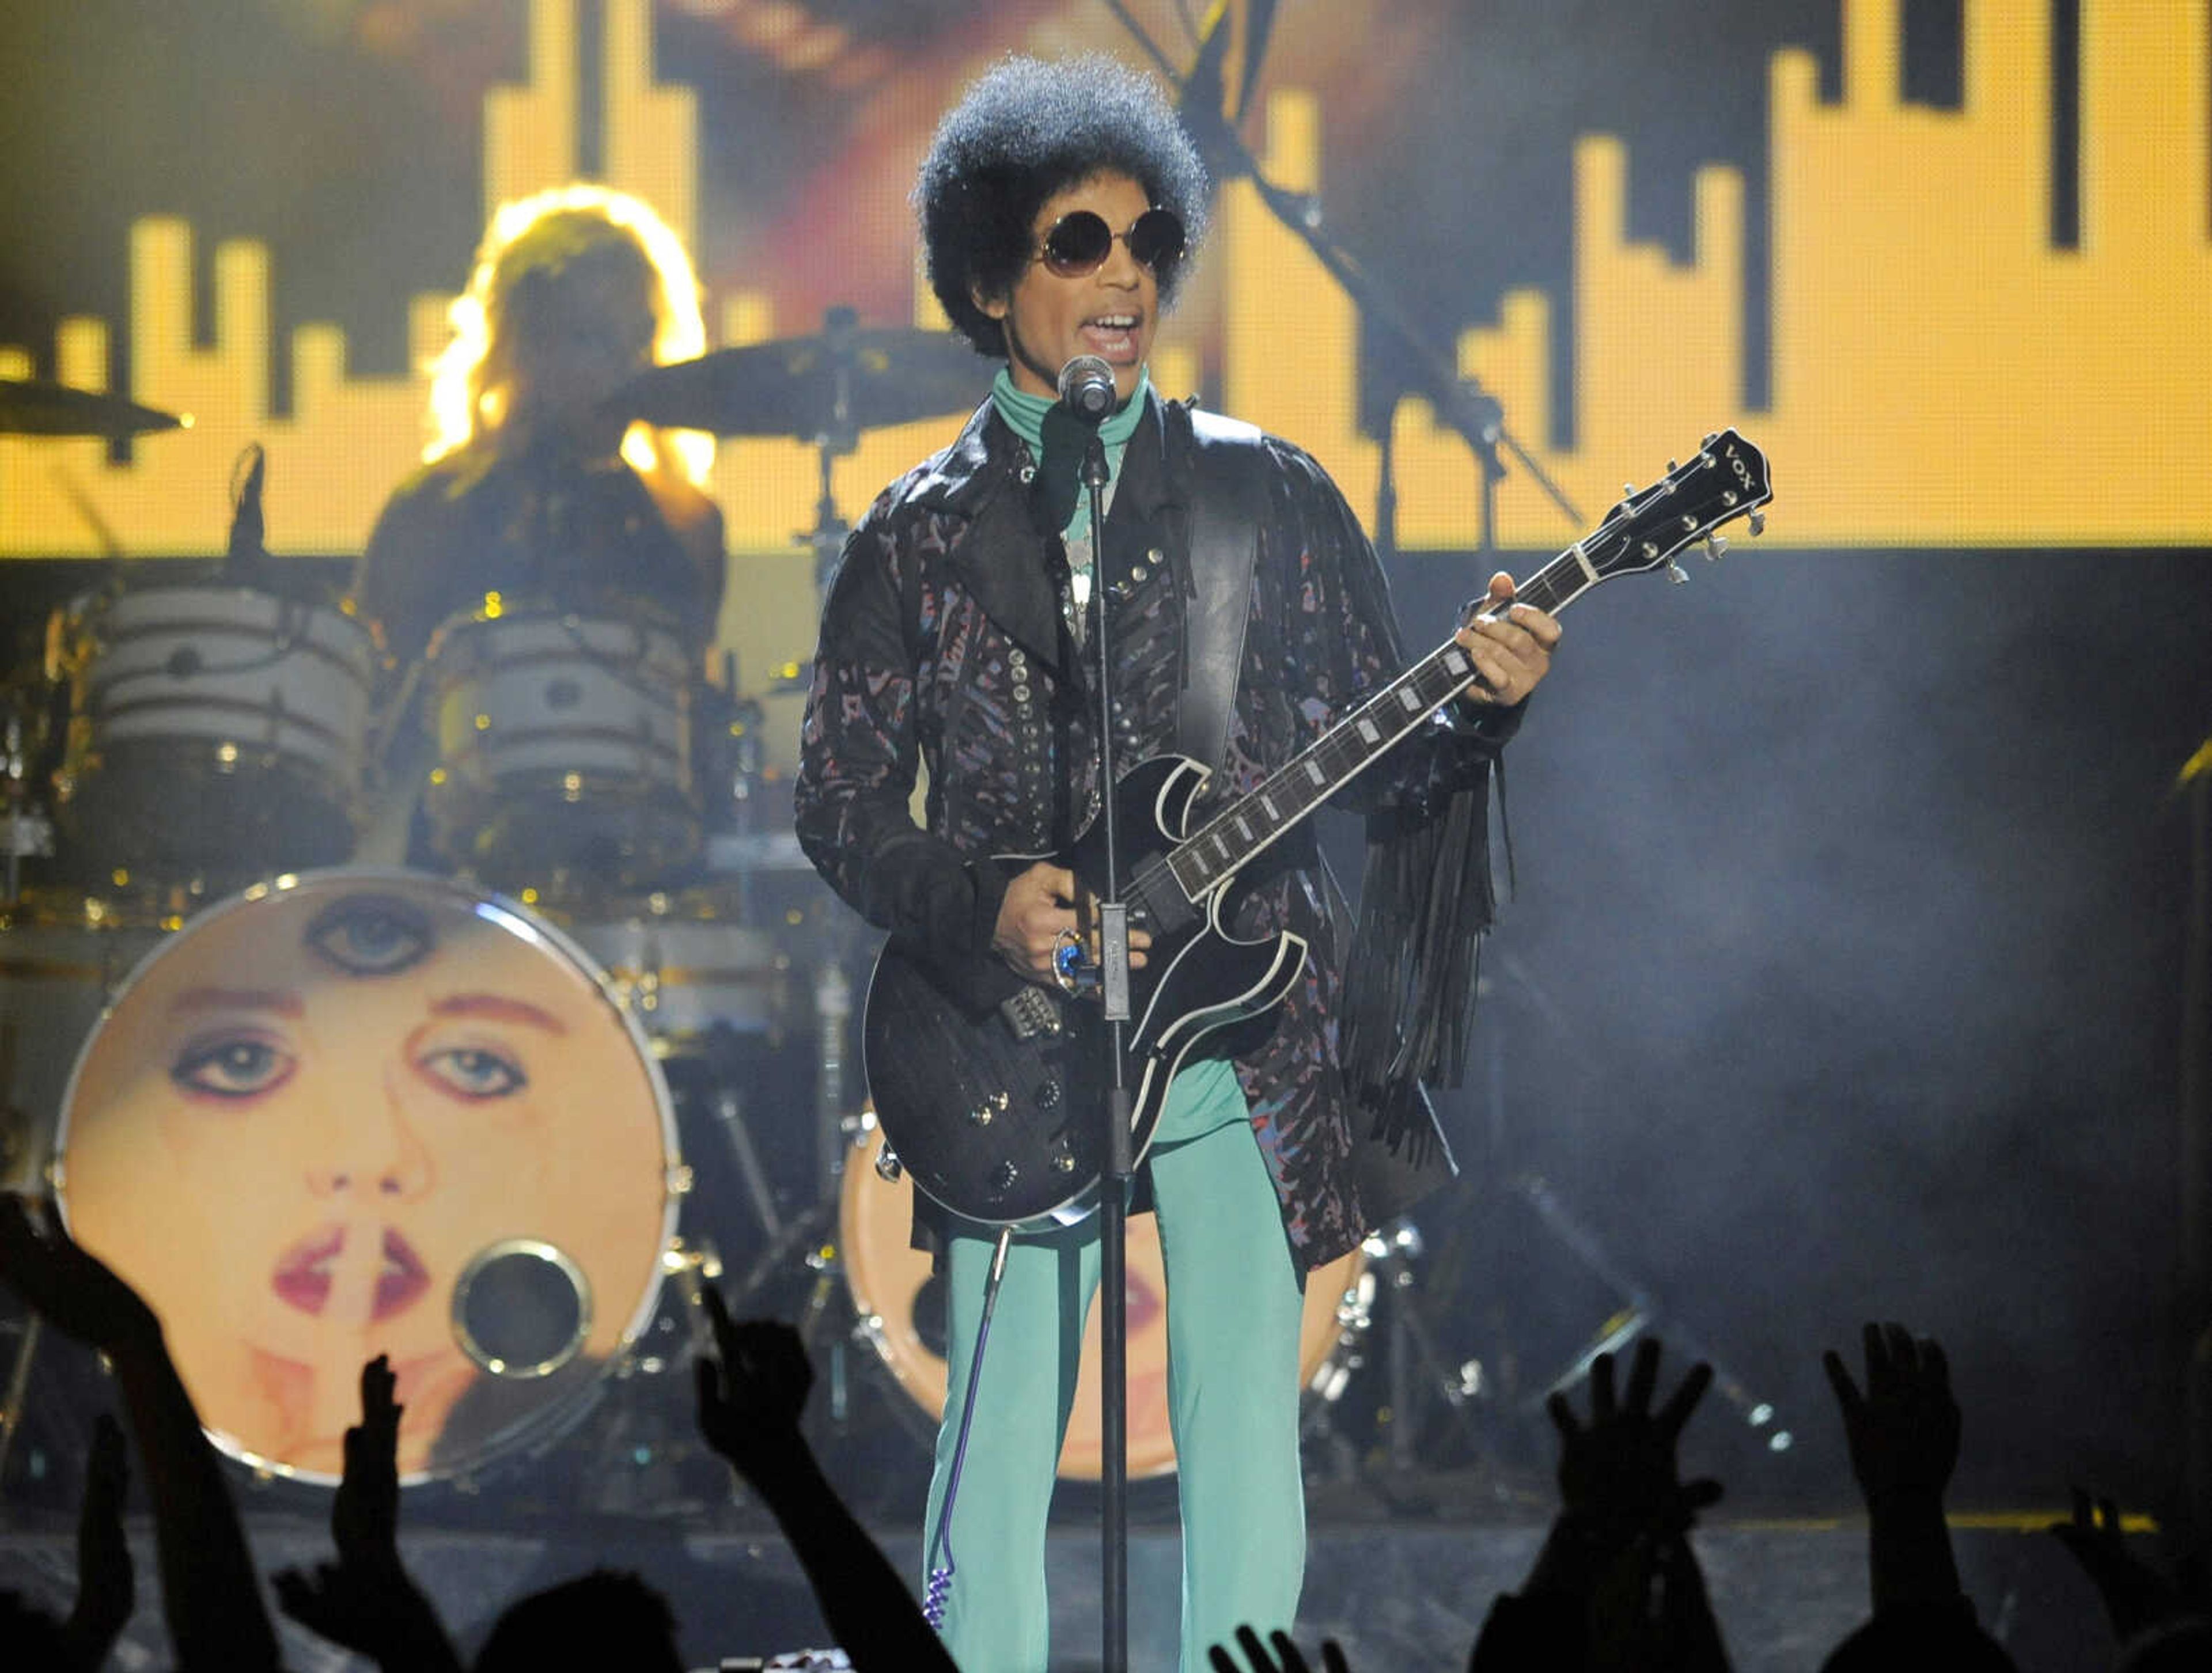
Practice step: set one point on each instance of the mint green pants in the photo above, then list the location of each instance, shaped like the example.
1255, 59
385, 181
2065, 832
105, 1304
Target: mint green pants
1234, 1306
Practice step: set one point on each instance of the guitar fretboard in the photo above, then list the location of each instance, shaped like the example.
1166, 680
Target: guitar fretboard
1726, 480
1232, 837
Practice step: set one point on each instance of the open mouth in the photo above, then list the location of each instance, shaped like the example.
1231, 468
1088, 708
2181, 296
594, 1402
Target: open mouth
305, 1272
1112, 337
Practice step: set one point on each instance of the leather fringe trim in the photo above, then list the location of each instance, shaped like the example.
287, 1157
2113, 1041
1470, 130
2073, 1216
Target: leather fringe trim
1426, 897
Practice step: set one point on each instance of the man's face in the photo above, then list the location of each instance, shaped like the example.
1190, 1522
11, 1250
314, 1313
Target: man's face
1112, 311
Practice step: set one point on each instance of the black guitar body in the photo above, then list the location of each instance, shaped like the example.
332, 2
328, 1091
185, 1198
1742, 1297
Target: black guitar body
999, 1117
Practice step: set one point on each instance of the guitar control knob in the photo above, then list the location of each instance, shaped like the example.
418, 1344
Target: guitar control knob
989, 1109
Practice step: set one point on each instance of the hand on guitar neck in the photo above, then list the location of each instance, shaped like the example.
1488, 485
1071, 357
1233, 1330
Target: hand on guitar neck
1511, 645
1043, 905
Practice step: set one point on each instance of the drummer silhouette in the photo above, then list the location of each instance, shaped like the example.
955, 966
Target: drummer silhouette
550, 533
534, 489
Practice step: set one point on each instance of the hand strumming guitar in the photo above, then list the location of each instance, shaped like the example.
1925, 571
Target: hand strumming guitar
1043, 905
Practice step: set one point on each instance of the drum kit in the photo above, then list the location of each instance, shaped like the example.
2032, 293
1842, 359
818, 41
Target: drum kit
498, 1116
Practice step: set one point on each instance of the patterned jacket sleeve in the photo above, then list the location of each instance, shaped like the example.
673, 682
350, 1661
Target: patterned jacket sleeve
859, 749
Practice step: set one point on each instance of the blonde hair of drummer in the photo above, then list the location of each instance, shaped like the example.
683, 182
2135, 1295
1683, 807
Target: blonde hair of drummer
546, 233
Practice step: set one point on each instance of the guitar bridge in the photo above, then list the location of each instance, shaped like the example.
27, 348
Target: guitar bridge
1031, 1013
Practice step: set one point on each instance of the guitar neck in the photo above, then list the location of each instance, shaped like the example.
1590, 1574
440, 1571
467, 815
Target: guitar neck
1233, 837
1726, 479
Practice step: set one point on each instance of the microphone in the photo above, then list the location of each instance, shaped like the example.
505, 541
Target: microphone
1086, 388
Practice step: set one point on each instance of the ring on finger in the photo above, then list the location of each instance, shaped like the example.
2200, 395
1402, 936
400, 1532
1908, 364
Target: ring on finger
1067, 958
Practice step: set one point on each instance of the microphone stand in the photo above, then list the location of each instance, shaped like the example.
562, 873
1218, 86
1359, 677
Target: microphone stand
1119, 1166
1461, 404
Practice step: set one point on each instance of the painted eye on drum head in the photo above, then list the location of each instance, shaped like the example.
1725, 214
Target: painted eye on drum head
233, 1067
372, 935
474, 1073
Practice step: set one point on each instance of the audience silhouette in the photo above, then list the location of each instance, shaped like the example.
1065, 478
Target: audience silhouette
1616, 1586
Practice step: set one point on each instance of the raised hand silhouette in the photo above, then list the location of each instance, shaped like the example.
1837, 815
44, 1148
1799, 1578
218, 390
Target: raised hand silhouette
1616, 1584
752, 1389
1282, 1658
2136, 1596
1903, 1429
72, 1289
367, 1600
1618, 1471
106, 1580
209, 1595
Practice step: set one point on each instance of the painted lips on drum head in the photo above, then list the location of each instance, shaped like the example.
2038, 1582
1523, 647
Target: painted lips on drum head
306, 1273
307, 1114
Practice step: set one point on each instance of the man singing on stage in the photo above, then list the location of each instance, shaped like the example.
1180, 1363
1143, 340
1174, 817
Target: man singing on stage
1060, 204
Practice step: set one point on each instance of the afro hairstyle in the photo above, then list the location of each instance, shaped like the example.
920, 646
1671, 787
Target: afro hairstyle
1026, 130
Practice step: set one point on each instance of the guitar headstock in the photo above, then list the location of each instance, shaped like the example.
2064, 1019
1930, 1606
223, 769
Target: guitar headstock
1728, 479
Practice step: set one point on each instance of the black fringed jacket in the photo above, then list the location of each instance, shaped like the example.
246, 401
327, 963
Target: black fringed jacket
944, 644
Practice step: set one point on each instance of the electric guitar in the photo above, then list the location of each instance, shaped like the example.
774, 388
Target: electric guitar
1000, 1118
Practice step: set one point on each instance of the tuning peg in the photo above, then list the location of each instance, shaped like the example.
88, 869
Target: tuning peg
1675, 572
1712, 436
1759, 523
1672, 467
1715, 547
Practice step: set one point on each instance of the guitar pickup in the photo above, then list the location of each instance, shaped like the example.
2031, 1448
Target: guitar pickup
1031, 1013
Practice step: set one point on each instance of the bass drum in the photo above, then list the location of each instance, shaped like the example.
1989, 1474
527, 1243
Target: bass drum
362, 1112
887, 1276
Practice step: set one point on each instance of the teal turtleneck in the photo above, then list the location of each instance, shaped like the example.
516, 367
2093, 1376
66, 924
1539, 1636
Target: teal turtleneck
1056, 443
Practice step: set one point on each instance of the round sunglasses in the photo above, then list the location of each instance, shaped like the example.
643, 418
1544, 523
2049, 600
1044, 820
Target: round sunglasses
1080, 241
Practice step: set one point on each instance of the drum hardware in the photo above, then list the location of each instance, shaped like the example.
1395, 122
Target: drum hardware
563, 744
1494, 1399
27, 831
213, 732
1640, 1313
824, 389
700, 982
695, 1085
14, 1399
35, 406
832, 1016
522, 1308
847, 378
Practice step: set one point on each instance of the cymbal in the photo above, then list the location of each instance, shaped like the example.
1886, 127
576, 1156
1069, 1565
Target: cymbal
836, 384
33, 407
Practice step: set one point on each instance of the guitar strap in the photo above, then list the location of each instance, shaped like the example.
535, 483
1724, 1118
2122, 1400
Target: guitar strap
1228, 500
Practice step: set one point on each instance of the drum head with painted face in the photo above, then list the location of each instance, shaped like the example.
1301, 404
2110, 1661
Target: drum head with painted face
311, 1118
